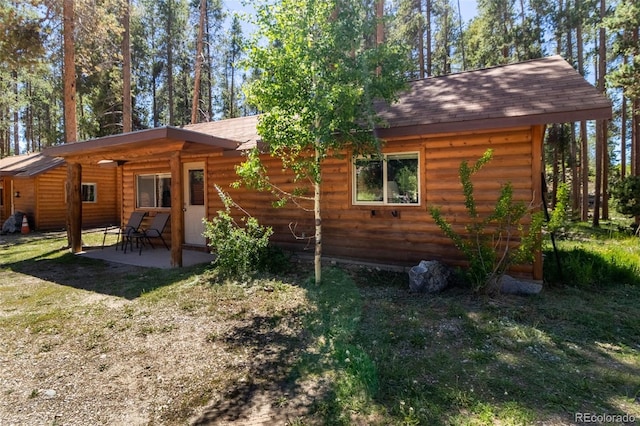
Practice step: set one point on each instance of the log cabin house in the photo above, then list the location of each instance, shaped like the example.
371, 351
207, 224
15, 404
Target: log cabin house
373, 210
34, 184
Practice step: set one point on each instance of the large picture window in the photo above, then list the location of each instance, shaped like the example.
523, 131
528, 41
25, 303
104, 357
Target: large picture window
392, 179
153, 190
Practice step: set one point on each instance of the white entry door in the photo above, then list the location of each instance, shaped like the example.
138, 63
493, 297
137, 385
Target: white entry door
195, 198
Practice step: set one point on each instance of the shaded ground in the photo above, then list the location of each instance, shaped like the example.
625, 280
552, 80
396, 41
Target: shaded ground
92, 343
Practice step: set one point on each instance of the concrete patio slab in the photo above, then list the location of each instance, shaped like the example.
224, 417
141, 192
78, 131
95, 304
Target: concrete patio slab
150, 258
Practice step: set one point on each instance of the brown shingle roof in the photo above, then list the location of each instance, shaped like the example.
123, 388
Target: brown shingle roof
28, 165
540, 91
241, 129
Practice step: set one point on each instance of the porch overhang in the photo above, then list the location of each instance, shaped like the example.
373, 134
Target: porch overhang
166, 143
150, 143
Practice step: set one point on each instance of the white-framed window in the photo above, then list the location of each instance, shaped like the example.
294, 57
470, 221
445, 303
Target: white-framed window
89, 192
153, 190
393, 179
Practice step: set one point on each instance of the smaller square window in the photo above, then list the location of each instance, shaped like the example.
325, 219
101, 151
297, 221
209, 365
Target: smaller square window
89, 193
393, 179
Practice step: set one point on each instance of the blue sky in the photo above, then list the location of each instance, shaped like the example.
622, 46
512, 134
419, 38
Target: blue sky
468, 8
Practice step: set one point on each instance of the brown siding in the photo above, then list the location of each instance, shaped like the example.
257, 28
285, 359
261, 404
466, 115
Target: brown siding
42, 197
5, 202
400, 235
105, 210
26, 202
51, 203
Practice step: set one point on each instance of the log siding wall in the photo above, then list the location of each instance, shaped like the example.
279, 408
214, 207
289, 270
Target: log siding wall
392, 234
42, 198
397, 234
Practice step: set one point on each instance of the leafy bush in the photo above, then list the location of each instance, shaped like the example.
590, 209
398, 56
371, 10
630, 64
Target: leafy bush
559, 216
239, 247
490, 243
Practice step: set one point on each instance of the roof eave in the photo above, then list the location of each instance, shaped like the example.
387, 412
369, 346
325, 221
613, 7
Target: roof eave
130, 139
603, 113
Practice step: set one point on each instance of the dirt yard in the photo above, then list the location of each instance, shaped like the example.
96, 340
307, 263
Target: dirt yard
87, 344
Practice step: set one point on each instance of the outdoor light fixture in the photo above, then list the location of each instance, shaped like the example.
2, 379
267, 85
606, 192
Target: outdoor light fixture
17, 194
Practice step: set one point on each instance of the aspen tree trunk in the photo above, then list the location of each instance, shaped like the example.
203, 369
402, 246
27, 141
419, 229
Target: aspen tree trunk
317, 256
198, 66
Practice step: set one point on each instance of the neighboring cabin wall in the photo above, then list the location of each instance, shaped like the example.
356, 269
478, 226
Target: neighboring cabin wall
351, 231
50, 207
5, 203
105, 210
26, 203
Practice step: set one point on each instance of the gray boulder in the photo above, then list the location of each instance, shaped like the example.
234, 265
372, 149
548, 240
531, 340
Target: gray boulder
10, 226
510, 285
429, 276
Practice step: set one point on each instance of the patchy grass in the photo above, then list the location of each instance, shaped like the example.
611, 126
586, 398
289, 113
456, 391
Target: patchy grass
141, 346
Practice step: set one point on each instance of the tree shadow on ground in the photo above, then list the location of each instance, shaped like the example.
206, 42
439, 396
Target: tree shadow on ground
59, 266
270, 393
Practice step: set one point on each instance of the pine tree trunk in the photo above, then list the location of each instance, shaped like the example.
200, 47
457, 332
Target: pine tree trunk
16, 116
601, 124
429, 69
623, 136
198, 67
74, 176
584, 142
635, 122
127, 110
421, 68
169, 36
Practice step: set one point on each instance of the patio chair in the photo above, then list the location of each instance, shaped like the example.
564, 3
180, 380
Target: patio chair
133, 225
155, 230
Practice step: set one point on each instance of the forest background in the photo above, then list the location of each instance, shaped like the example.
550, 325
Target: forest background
185, 61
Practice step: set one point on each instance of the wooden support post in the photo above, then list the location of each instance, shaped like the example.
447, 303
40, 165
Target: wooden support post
177, 212
74, 206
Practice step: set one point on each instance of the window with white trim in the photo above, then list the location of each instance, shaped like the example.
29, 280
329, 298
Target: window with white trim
153, 190
89, 192
392, 179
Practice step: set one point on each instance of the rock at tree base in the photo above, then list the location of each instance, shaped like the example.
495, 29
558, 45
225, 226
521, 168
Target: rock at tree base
429, 276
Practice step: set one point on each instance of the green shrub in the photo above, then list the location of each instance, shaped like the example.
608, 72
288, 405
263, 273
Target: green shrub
489, 241
559, 216
627, 195
238, 246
